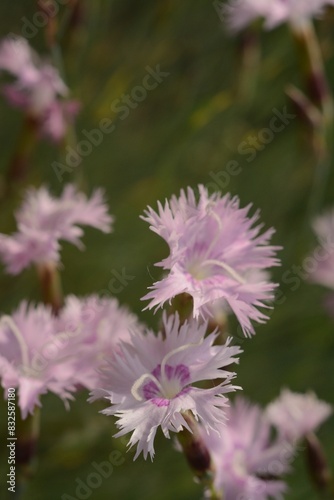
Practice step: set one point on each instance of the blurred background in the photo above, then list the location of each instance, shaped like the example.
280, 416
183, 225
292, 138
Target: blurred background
185, 131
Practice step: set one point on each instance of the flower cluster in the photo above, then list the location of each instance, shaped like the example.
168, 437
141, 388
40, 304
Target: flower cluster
178, 380
217, 256
38, 88
42, 353
43, 220
248, 463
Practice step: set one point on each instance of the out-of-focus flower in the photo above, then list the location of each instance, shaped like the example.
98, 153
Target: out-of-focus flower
99, 324
215, 249
38, 88
248, 463
295, 415
57, 117
151, 382
324, 255
33, 357
43, 220
17, 57
241, 13
40, 352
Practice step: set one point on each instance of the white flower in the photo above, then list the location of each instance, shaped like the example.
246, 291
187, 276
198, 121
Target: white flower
151, 382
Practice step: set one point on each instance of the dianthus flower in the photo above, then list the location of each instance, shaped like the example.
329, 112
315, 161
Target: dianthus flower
248, 463
33, 357
216, 255
38, 88
241, 13
295, 415
324, 254
43, 220
98, 325
150, 383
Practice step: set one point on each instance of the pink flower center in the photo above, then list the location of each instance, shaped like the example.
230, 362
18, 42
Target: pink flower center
169, 385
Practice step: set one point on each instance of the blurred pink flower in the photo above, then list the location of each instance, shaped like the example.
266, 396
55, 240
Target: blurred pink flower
17, 57
43, 220
324, 254
40, 352
295, 415
100, 323
150, 382
57, 117
241, 13
248, 463
32, 357
38, 88
215, 252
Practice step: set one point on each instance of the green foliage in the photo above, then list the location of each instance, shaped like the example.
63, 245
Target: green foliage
184, 132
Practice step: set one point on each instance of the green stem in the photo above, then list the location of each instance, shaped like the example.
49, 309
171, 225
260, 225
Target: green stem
26, 143
71, 18
248, 65
313, 68
26, 448
51, 285
198, 456
322, 152
183, 304
318, 467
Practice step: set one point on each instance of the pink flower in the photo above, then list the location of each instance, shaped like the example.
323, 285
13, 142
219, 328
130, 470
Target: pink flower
32, 357
295, 415
40, 352
248, 463
43, 220
215, 253
240, 13
323, 255
150, 383
38, 88
17, 58
57, 117
98, 325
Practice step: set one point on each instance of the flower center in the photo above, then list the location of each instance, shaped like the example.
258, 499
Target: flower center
207, 268
169, 386
203, 266
166, 381
198, 271
239, 463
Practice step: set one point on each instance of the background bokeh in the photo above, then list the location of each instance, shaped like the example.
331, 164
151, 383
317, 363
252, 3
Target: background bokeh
184, 132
